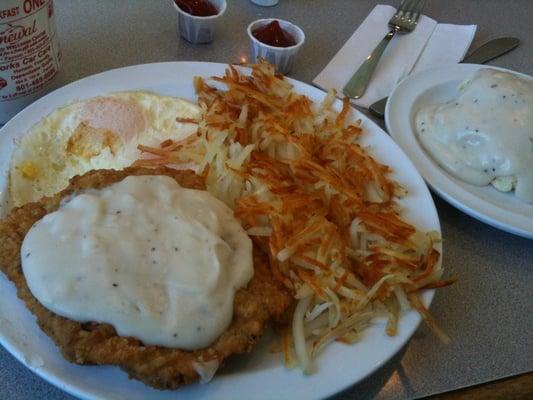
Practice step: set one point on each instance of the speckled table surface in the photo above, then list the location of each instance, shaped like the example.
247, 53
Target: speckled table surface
488, 313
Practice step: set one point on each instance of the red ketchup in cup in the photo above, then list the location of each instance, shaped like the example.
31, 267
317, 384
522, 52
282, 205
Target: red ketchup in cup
273, 35
276, 41
198, 8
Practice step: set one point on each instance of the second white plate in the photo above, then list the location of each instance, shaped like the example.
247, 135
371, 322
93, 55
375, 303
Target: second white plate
501, 210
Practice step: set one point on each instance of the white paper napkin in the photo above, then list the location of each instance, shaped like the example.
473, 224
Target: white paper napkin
430, 44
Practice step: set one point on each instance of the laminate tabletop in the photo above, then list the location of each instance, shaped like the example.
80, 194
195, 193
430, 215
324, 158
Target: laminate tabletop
488, 313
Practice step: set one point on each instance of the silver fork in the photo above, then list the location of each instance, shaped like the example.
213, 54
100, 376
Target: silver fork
404, 21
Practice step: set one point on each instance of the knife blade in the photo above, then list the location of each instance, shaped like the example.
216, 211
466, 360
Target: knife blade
491, 50
484, 53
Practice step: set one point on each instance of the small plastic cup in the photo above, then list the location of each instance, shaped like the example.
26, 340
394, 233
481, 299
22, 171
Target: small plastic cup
196, 29
265, 3
282, 57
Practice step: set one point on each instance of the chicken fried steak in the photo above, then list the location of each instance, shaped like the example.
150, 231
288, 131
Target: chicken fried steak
261, 301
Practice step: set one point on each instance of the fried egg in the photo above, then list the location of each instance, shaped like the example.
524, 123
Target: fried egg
100, 132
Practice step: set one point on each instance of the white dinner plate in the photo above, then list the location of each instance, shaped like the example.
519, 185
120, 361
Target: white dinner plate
255, 376
501, 210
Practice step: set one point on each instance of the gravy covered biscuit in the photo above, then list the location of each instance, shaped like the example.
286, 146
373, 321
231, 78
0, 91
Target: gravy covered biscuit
484, 135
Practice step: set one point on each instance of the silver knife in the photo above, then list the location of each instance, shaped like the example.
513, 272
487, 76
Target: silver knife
490, 50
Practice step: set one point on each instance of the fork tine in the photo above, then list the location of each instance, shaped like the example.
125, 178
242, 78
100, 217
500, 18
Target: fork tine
400, 7
406, 5
404, 11
418, 9
413, 6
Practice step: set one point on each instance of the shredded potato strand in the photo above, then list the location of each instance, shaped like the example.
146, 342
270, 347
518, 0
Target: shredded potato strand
314, 199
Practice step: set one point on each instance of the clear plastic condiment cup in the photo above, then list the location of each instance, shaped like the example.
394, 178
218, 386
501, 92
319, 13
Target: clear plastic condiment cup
282, 57
197, 29
265, 3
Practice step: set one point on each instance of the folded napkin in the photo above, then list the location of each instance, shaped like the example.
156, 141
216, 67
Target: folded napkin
430, 44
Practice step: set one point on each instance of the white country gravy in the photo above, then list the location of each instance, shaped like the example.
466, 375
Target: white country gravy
159, 262
486, 132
